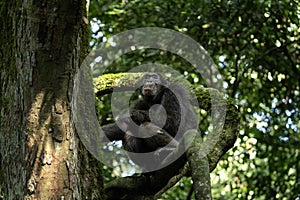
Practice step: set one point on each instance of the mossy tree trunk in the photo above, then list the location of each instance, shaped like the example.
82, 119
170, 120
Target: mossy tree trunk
42, 43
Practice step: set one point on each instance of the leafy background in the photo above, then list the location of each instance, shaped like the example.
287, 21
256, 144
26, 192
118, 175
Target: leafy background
255, 45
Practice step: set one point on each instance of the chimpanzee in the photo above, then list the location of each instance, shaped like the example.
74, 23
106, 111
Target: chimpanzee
164, 109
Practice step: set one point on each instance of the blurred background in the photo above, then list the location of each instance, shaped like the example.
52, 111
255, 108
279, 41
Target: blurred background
255, 45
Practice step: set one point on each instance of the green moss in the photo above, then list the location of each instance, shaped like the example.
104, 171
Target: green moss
7, 64
107, 82
85, 34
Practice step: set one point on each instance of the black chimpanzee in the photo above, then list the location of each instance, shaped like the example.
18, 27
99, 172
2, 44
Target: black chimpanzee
163, 113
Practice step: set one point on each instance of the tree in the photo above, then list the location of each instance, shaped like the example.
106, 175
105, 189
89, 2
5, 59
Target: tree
256, 46
42, 45
41, 155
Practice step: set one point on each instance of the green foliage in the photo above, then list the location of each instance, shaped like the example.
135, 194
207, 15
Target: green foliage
180, 191
256, 47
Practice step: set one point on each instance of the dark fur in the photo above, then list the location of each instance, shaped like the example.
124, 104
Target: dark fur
155, 90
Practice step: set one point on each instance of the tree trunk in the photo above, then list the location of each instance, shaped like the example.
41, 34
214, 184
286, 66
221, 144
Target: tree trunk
42, 44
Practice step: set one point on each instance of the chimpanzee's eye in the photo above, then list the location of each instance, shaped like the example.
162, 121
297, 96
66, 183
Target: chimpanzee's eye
154, 76
146, 76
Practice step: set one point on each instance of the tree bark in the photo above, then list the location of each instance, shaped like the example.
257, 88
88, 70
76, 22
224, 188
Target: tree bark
199, 166
42, 44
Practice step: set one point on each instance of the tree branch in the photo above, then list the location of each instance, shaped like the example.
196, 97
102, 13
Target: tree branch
173, 181
199, 166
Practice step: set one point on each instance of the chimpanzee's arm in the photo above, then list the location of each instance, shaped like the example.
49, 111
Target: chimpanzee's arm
113, 132
140, 112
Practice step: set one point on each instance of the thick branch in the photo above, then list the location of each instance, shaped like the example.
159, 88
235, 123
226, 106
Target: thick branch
199, 166
106, 83
144, 186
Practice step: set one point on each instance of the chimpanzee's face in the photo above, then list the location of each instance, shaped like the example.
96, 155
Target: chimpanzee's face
151, 85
